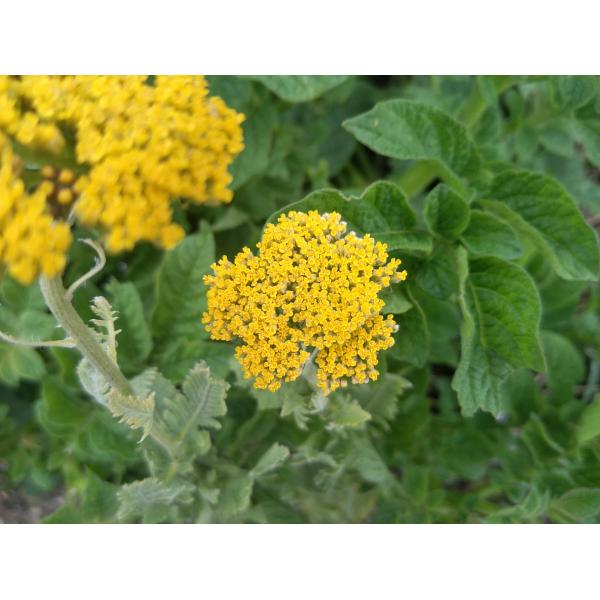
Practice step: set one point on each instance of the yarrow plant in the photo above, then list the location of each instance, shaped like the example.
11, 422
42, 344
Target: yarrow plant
300, 311
311, 292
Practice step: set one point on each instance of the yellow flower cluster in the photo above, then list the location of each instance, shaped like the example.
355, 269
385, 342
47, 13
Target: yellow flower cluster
141, 142
147, 142
23, 124
311, 288
32, 242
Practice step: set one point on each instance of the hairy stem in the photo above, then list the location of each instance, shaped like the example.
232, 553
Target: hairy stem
84, 338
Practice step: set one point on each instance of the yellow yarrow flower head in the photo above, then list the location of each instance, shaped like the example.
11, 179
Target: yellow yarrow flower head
147, 143
32, 242
140, 144
311, 288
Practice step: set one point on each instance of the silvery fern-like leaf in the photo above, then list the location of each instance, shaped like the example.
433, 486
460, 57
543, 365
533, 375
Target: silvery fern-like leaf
136, 411
180, 415
152, 500
106, 320
92, 381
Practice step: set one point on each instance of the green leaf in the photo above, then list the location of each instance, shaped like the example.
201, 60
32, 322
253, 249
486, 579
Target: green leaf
180, 291
589, 423
565, 366
178, 416
543, 208
412, 339
272, 459
418, 242
300, 88
409, 130
135, 411
446, 212
501, 315
381, 207
389, 200
580, 504
207, 396
488, 235
437, 274
347, 413
258, 139
572, 91
135, 340
152, 500
236, 494
395, 301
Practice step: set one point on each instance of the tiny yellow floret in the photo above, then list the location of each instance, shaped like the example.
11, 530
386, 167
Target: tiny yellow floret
312, 289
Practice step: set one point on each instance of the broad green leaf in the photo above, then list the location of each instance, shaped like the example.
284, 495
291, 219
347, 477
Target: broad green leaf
437, 273
412, 339
258, 138
271, 460
565, 366
501, 315
542, 207
395, 301
415, 241
572, 91
300, 88
488, 235
135, 340
373, 213
589, 423
391, 203
446, 212
579, 504
409, 130
180, 291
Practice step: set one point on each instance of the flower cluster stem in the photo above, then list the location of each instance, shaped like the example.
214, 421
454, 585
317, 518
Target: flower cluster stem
84, 338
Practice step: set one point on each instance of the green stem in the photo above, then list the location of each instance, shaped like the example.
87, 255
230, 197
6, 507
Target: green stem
85, 340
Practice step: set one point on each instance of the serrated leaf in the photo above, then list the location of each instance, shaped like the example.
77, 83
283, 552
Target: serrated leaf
235, 495
152, 500
207, 396
347, 413
488, 235
300, 88
409, 130
272, 459
180, 291
543, 208
446, 212
501, 316
135, 411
